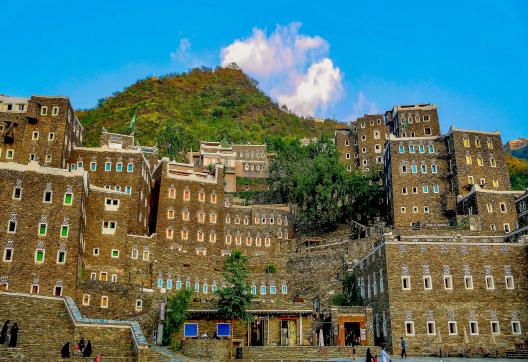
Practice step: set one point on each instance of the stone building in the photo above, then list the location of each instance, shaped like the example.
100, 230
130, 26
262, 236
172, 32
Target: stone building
416, 182
41, 129
446, 292
418, 120
43, 219
521, 204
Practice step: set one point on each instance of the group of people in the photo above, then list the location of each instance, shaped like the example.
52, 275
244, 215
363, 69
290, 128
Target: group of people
13, 335
80, 348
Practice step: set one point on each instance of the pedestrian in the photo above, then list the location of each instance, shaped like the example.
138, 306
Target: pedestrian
97, 358
368, 356
353, 353
375, 359
384, 356
14, 336
81, 345
87, 352
3, 334
403, 347
76, 348
65, 351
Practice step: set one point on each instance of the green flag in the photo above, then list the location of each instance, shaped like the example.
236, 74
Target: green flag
132, 124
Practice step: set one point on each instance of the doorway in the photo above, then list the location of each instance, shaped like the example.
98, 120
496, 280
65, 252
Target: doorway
352, 333
257, 333
288, 333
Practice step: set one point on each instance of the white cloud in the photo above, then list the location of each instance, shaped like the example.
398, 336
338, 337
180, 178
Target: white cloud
182, 53
362, 106
294, 68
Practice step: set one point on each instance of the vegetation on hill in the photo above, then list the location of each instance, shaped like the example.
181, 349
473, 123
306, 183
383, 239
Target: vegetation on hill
222, 104
518, 172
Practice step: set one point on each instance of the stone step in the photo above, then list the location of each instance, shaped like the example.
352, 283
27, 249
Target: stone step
517, 354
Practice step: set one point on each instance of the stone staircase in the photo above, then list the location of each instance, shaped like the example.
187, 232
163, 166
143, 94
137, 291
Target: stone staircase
517, 354
47, 323
303, 353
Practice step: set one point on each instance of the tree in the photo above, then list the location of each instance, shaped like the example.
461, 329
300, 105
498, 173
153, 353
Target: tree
234, 300
176, 314
173, 141
350, 295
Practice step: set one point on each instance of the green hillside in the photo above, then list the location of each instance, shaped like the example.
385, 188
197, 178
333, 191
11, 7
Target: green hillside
518, 172
203, 104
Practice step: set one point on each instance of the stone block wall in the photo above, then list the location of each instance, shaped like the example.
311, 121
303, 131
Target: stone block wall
209, 349
370, 134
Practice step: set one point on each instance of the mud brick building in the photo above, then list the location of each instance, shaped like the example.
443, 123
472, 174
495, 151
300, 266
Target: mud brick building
42, 129
419, 120
419, 292
416, 181
42, 234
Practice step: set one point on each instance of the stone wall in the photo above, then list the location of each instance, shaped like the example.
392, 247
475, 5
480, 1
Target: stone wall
370, 134
209, 349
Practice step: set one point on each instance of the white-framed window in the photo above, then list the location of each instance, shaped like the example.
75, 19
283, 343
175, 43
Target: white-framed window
406, 282
452, 328
468, 282
448, 282
146, 255
130, 167
40, 255
10, 154
43, 111
47, 197
17, 193
65, 230
428, 283
409, 328
109, 227
93, 166
68, 198
108, 166
139, 305
55, 111
516, 327
86, 299
119, 166
95, 251
114, 278
35, 135
473, 328
8, 254
490, 283
114, 253
104, 301
11, 226
431, 328
93, 276
495, 327
403, 210
61, 257
135, 253
51, 137
48, 158
509, 282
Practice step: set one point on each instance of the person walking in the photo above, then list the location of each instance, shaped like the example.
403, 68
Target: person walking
368, 357
14, 336
384, 356
403, 347
81, 345
87, 352
65, 351
3, 334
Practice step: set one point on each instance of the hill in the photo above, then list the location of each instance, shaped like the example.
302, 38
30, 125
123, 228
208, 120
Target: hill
203, 104
518, 172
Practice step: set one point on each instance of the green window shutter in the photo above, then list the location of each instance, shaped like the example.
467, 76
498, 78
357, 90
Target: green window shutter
68, 199
61, 257
40, 256
42, 229
115, 253
64, 231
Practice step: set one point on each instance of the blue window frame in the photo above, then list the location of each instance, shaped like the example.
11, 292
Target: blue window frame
223, 329
434, 169
214, 288
160, 282
196, 287
119, 167
187, 285
414, 169
431, 149
263, 290
273, 290
421, 148
425, 189
178, 285
169, 283
254, 290
128, 190
205, 288
402, 149
284, 289
108, 166
411, 149
130, 167
190, 330
436, 189
424, 168
93, 166
79, 164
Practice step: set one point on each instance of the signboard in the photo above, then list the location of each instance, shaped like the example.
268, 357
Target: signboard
190, 330
223, 329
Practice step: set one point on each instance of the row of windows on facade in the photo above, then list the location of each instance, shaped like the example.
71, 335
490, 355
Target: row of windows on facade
425, 189
468, 282
12, 107
452, 328
10, 155
42, 229
257, 220
480, 161
108, 166
416, 119
35, 135
54, 110
481, 182
414, 168
251, 167
262, 289
371, 122
251, 155
40, 254
478, 144
419, 148
427, 131
200, 237
47, 196
186, 195
86, 301
115, 253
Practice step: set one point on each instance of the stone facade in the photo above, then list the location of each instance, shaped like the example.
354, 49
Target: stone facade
435, 303
419, 120
370, 134
521, 205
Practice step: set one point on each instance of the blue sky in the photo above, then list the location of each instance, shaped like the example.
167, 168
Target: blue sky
344, 58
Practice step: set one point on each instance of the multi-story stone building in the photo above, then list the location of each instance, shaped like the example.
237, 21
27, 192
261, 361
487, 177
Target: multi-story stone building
418, 120
41, 129
446, 293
